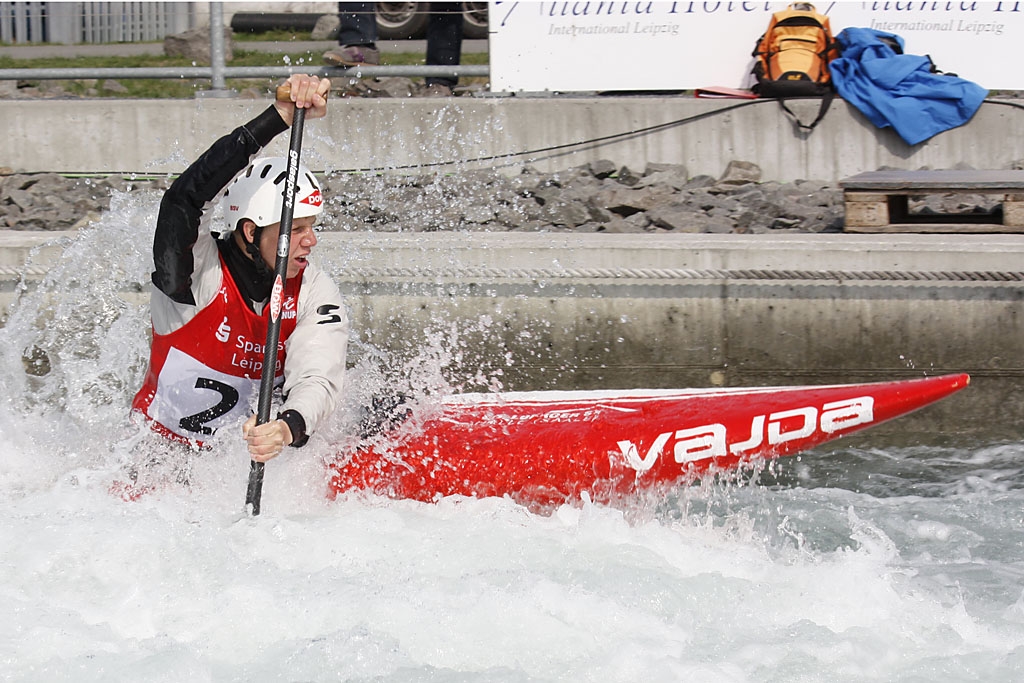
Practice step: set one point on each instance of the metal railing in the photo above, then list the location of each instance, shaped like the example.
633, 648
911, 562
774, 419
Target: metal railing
92, 22
217, 73
207, 72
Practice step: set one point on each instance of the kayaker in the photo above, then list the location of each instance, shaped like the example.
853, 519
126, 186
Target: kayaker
209, 294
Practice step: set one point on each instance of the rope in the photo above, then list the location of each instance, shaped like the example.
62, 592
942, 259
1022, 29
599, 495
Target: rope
490, 273
638, 132
12, 272
507, 156
473, 273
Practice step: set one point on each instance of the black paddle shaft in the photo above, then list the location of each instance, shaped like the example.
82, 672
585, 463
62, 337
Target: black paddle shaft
255, 490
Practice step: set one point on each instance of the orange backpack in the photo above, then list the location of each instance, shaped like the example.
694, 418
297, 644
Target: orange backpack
793, 54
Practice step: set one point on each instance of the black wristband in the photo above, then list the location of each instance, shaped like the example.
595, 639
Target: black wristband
297, 424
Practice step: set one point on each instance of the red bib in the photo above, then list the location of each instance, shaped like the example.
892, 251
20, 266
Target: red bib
206, 374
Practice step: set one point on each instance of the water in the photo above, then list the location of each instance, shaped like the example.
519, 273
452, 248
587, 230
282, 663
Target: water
846, 564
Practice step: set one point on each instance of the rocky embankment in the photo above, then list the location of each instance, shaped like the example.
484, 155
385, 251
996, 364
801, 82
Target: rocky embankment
599, 197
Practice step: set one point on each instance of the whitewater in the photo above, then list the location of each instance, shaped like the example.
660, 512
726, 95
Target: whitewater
856, 562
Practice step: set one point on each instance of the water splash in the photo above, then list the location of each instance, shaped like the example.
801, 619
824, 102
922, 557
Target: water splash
849, 565
75, 341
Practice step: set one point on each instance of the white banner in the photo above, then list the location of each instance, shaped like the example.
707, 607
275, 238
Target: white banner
609, 46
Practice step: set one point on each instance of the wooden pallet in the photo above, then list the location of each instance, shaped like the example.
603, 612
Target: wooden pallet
877, 201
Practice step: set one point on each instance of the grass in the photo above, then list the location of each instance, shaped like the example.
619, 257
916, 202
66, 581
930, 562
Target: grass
159, 88
277, 36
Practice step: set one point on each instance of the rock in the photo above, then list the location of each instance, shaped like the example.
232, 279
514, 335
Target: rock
625, 202
603, 168
718, 225
21, 199
653, 168
194, 44
111, 85
671, 177
326, 28
639, 220
479, 213
566, 213
546, 194
388, 86
676, 217
627, 177
620, 225
86, 220
589, 198
699, 181
740, 173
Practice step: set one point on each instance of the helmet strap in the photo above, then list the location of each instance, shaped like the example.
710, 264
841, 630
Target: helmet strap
253, 251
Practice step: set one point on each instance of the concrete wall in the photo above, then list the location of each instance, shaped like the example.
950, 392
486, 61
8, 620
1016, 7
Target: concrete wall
412, 135
614, 311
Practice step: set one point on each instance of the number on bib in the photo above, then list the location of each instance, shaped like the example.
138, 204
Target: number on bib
228, 399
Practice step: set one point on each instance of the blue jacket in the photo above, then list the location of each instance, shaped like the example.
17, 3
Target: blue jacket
899, 90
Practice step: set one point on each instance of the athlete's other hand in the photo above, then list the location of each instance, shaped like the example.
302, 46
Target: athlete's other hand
266, 441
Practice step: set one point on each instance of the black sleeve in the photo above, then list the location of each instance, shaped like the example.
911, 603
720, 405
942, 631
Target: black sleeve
177, 224
297, 424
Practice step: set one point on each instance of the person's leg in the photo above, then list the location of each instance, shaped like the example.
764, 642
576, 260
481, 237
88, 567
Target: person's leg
358, 24
444, 40
357, 36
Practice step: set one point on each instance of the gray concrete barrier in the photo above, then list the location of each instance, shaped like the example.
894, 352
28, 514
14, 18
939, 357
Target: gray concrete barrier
585, 311
550, 133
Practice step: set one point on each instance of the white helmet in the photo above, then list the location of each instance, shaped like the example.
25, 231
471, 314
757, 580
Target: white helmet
257, 193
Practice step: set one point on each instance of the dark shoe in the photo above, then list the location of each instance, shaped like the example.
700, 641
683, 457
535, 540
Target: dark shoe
352, 55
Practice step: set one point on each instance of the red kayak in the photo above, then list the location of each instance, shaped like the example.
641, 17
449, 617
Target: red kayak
551, 447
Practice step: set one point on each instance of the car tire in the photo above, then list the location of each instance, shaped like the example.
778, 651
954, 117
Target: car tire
401, 20
474, 24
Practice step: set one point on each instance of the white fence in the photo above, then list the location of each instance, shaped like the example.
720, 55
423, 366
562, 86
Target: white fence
93, 22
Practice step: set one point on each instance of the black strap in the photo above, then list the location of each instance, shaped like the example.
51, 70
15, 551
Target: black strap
826, 102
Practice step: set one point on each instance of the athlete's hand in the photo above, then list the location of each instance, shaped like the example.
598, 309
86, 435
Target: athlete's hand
266, 441
304, 92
